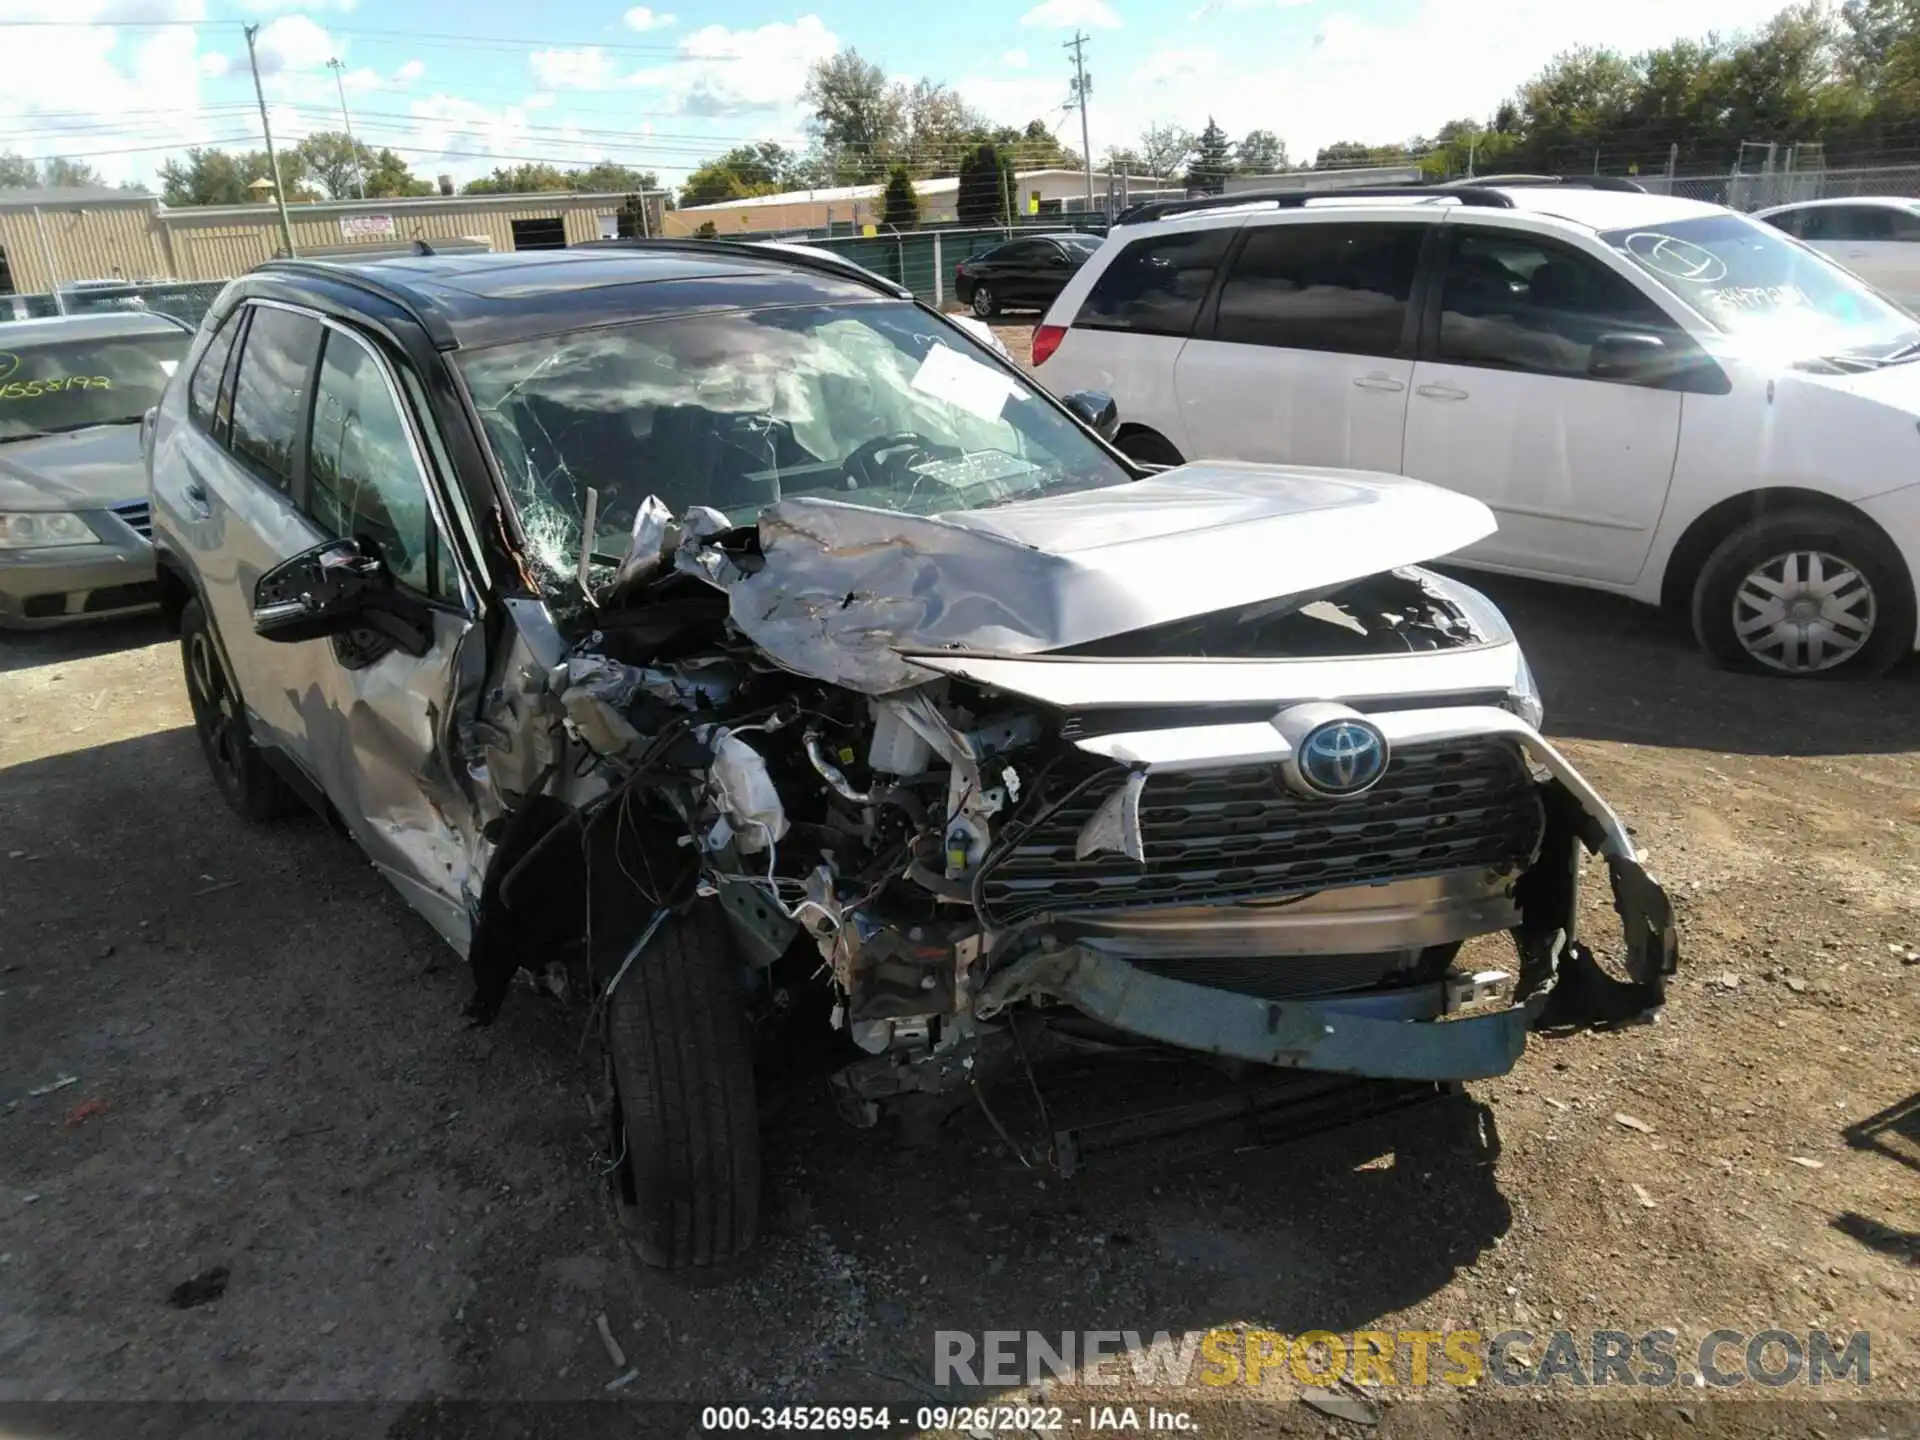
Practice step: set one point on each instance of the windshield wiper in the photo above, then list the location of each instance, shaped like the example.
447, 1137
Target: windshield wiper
1908, 351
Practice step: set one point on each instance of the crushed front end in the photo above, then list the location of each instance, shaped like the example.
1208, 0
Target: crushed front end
906, 766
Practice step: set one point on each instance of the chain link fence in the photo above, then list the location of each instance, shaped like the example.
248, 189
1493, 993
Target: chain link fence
1756, 190
186, 300
924, 260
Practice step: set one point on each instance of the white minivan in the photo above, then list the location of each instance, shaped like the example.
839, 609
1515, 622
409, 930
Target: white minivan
1656, 396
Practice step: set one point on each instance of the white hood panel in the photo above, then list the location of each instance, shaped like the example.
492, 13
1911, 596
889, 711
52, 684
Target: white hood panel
845, 588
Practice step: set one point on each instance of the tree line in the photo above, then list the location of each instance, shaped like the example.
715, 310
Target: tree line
864, 128
326, 165
330, 165
1846, 79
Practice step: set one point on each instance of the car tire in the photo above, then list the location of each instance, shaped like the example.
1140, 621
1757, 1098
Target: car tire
688, 1195
241, 773
1148, 448
1845, 606
985, 306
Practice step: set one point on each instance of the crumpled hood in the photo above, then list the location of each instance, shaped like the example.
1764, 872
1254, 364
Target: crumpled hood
845, 589
85, 470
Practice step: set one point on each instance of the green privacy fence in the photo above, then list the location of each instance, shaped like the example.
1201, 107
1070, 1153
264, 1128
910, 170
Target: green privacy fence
922, 260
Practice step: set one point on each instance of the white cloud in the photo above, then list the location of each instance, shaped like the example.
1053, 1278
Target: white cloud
1240, 7
293, 43
1012, 100
410, 72
1015, 60
277, 7
641, 18
213, 65
588, 69
737, 72
1072, 14
1360, 80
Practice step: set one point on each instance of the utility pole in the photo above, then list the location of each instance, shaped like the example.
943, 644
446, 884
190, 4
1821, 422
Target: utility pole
279, 187
1078, 46
359, 175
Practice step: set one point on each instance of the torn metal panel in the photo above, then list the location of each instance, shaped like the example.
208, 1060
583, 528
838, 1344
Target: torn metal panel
1116, 824
843, 588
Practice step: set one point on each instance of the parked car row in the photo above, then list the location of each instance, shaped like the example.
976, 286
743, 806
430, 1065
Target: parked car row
1656, 396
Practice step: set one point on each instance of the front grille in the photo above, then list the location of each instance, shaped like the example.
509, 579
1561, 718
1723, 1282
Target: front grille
1220, 836
138, 516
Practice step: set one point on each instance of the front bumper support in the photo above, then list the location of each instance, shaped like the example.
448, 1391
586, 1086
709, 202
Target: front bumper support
1384, 1034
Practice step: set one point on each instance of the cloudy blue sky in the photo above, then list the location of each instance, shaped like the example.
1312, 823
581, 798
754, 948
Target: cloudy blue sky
458, 89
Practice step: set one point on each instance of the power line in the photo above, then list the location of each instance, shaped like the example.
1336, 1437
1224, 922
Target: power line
425, 37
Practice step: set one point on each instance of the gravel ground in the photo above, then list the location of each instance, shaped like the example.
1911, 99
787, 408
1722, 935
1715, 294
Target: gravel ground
233, 1047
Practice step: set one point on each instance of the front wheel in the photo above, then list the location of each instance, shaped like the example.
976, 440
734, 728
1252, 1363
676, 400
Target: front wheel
1805, 593
985, 305
689, 1192
245, 780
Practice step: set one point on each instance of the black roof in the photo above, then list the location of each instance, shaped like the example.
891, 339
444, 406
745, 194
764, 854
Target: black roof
469, 301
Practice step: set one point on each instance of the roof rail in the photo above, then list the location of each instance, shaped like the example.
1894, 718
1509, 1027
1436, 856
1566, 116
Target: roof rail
1296, 199
431, 321
824, 262
1571, 182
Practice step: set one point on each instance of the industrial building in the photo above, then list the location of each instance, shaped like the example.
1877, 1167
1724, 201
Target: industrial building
52, 239
851, 209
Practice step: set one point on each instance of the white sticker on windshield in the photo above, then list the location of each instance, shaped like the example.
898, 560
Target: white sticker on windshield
978, 389
1675, 258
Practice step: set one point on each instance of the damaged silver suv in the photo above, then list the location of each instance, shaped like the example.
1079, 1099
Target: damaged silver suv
725, 638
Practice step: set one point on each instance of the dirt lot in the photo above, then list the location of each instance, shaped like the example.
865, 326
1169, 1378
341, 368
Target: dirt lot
233, 1047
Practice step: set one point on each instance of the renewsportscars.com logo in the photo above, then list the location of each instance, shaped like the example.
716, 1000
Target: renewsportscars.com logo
1221, 1358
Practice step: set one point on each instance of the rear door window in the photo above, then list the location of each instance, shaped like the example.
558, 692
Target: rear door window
1343, 288
1155, 285
271, 394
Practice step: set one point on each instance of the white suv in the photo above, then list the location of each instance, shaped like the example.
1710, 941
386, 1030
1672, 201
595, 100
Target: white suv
1657, 397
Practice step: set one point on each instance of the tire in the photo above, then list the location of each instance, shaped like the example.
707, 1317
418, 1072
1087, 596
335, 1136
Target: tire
985, 307
240, 772
1862, 629
689, 1194
1148, 448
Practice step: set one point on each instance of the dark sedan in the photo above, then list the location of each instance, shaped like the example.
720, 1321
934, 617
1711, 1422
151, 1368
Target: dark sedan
1022, 274
73, 486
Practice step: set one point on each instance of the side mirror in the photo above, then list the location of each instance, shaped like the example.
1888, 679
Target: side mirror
1641, 358
1649, 360
1096, 409
337, 589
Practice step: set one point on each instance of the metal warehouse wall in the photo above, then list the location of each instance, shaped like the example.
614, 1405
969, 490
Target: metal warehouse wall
106, 241
220, 242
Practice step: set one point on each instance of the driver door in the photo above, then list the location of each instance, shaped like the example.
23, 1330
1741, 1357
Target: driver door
370, 725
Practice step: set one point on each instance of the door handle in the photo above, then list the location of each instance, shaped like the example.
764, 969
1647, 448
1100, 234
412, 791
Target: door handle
1378, 381
1440, 392
195, 494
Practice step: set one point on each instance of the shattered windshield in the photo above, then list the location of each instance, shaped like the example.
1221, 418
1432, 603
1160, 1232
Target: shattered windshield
872, 404
1750, 280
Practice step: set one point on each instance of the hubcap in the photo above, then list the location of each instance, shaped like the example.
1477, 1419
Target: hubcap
983, 301
1803, 612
